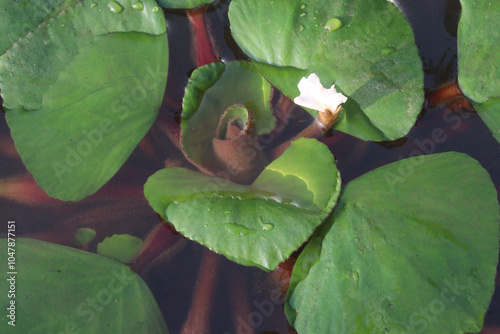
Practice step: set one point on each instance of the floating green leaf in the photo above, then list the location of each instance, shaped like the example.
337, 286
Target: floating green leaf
84, 235
489, 112
60, 290
411, 247
82, 88
365, 48
120, 247
479, 58
260, 224
183, 4
214, 88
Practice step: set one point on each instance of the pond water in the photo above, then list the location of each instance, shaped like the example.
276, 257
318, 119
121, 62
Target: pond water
239, 290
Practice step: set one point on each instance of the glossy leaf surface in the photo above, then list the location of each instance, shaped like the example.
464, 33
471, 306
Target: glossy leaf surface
365, 48
411, 247
260, 224
81, 90
479, 59
61, 289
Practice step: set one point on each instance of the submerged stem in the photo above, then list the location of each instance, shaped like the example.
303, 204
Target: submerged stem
204, 49
198, 320
161, 238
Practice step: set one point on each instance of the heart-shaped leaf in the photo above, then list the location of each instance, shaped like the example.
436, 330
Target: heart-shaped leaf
183, 4
411, 247
63, 290
365, 48
479, 58
82, 88
216, 94
260, 224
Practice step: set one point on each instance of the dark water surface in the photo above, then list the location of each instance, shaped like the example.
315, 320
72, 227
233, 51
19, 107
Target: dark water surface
172, 278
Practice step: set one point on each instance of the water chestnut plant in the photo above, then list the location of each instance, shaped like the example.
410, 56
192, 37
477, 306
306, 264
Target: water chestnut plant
239, 159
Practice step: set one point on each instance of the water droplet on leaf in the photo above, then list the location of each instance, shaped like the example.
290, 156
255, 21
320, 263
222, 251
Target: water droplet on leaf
333, 24
115, 7
237, 229
93, 4
301, 27
155, 9
138, 5
387, 51
303, 6
302, 14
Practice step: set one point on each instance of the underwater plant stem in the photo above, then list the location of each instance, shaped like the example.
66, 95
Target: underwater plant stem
315, 130
239, 301
282, 274
451, 95
161, 238
202, 43
24, 190
198, 320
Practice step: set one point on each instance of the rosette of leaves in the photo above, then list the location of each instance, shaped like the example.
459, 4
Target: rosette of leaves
411, 247
225, 108
365, 48
253, 212
81, 83
479, 59
109, 297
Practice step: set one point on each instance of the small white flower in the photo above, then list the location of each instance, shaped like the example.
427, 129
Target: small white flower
314, 96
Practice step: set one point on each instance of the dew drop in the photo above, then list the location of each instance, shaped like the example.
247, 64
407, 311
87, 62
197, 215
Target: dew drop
387, 51
237, 229
93, 5
227, 212
301, 27
279, 31
138, 5
333, 24
115, 7
303, 6
155, 9
302, 14
355, 276
267, 227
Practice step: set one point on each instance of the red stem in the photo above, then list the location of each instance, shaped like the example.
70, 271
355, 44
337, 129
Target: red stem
239, 301
202, 43
161, 238
198, 320
451, 95
282, 274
